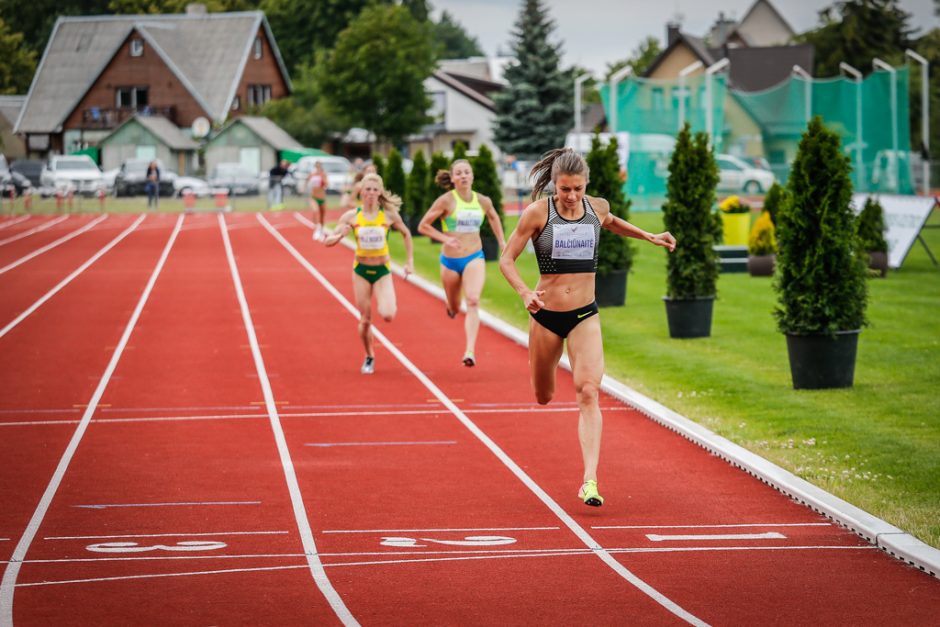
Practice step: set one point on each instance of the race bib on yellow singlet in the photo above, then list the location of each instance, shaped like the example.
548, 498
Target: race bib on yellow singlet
573, 241
371, 237
467, 221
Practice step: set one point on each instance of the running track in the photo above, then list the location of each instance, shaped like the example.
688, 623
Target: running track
186, 439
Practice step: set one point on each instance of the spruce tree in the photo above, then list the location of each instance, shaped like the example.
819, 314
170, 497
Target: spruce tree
533, 114
417, 187
394, 178
460, 151
379, 164
486, 181
615, 252
438, 162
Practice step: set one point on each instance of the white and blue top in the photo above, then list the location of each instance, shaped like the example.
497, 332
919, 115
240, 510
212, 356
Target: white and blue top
568, 246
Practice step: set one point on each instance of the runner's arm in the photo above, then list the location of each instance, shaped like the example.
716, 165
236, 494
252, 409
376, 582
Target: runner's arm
619, 226
342, 229
495, 223
402, 228
530, 223
438, 210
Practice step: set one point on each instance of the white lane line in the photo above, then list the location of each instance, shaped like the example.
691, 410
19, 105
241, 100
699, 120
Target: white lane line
183, 504
70, 277
52, 245
551, 553
13, 221
770, 535
549, 502
300, 512
429, 443
735, 525
10, 573
171, 535
456, 529
37, 229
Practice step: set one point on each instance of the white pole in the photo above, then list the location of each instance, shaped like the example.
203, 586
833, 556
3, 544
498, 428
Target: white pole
859, 164
577, 108
709, 108
924, 113
682, 74
807, 90
877, 63
614, 82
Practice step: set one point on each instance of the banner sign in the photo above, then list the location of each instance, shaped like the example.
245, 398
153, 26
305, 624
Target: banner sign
904, 218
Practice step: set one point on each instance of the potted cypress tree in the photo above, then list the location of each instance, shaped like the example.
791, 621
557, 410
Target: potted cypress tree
486, 181
615, 253
394, 180
379, 164
775, 197
692, 268
762, 247
417, 190
871, 236
438, 162
820, 280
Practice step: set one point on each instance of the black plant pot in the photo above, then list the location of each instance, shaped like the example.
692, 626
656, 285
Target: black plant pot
689, 318
761, 265
822, 361
490, 248
610, 290
879, 262
413, 221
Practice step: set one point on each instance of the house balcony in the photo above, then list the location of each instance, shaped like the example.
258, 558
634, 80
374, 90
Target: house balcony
110, 117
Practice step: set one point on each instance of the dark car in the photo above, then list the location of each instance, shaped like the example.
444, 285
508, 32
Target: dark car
30, 168
131, 179
236, 178
10, 178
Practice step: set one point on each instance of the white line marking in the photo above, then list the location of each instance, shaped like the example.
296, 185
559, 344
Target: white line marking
19, 554
41, 227
489, 556
328, 444
170, 535
70, 277
52, 245
570, 522
108, 505
440, 530
813, 524
13, 221
300, 513
770, 535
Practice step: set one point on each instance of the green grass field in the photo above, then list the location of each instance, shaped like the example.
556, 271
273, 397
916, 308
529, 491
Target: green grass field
876, 445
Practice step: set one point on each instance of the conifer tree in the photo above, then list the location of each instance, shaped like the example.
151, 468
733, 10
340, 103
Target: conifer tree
460, 151
417, 188
379, 164
533, 114
394, 179
438, 162
486, 181
615, 252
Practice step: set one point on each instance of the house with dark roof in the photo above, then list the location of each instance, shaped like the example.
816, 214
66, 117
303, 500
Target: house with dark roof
98, 71
149, 137
255, 142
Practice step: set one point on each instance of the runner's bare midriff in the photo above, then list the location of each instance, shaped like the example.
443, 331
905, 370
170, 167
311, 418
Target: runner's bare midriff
467, 244
373, 261
564, 292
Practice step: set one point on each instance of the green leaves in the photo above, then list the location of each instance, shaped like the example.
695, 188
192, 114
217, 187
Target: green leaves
19, 63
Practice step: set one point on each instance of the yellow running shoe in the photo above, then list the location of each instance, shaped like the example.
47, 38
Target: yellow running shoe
588, 494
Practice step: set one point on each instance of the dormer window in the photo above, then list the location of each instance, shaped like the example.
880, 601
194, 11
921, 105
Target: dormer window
258, 47
137, 47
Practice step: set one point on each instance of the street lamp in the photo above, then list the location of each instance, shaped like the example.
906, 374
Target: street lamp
682, 74
709, 108
924, 114
807, 90
859, 164
877, 64
614, 82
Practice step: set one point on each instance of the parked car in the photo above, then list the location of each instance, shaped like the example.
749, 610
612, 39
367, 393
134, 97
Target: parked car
131, 179
236, 178
339, 173
199, 187
19, 183
78, 173
30, 168
736, 175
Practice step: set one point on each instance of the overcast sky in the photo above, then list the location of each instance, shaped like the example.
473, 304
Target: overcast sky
597, 32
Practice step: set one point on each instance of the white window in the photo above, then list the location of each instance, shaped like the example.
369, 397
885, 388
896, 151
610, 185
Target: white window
258, 95
236, 103
258, 48
137, 47
131, 97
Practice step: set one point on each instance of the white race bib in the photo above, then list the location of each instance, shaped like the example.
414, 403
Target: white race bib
467, 221
371, 237
572, 241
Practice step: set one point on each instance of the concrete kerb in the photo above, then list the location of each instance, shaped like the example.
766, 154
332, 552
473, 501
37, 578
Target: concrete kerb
885, 536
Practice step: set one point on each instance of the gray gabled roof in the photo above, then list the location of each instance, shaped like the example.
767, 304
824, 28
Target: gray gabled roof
161, 128
10, 107
266, 130
207, 52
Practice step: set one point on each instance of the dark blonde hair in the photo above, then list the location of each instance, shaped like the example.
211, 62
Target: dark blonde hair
555, 163
443, 177
387, 200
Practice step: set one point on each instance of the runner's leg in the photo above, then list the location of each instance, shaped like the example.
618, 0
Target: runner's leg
545, 350
586, 352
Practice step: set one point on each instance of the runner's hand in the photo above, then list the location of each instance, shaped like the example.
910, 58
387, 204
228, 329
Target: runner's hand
533, 300
666, 240
409, 269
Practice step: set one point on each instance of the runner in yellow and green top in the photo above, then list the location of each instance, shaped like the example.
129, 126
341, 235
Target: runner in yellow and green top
371, 223
461, 211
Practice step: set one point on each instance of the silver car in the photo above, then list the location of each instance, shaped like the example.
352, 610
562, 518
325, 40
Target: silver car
77, 173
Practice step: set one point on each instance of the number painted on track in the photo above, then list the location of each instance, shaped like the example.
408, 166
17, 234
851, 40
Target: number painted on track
133, 547
467, 541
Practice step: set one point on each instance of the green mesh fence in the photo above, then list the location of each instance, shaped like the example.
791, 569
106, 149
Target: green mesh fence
766, 126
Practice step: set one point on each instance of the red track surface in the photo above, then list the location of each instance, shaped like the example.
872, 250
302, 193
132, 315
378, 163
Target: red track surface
181, 448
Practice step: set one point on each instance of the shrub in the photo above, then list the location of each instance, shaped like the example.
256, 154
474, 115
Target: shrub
394, 178
871, 227
417, 185
460, 151
776, 196
820, 280
379, 164
486, 181
733, 204
692, 269
615, 252
438, 162
763, 237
